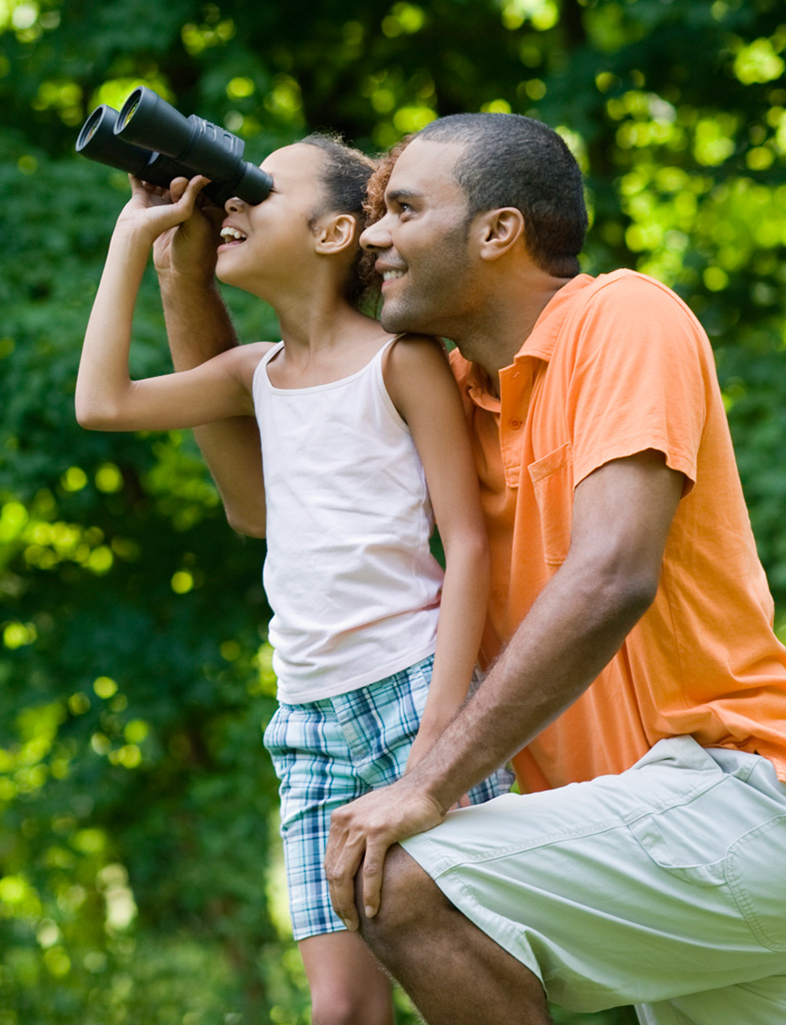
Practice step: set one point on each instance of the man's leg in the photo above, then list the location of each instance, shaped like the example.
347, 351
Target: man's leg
454, 973
661, 887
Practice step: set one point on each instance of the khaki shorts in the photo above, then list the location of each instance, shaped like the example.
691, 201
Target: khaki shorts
663, 887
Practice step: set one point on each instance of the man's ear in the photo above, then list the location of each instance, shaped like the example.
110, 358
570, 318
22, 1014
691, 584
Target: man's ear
334, 233
499, 231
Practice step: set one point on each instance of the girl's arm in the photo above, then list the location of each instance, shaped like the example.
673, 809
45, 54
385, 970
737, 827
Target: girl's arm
424, 391
106, 397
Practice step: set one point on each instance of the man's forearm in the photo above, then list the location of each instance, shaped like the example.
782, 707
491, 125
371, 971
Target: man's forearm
197, 321
572, 631
622, 515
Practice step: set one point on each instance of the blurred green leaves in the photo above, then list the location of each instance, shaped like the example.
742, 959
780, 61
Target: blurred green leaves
140, 877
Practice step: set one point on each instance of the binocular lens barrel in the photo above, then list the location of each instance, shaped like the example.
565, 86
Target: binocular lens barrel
156, 143
97, 140
148, 120
128, 114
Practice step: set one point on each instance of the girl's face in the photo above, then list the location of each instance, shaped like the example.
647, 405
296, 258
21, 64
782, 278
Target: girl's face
270, 243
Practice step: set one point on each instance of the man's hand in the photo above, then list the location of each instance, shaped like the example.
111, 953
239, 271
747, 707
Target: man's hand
362, 832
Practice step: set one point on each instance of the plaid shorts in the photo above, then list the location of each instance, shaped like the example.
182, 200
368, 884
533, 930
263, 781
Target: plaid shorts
327, 753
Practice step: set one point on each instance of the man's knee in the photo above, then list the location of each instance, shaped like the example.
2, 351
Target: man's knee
409, 900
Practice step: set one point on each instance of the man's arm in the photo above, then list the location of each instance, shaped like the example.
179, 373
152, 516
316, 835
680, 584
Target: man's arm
622, 514
199, 327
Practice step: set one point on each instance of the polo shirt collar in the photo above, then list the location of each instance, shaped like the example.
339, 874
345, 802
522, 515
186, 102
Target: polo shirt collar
539, 345
542, 339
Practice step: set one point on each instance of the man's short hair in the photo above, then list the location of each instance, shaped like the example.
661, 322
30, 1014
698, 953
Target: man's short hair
514, 161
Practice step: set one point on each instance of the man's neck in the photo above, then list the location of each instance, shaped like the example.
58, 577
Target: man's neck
495, 336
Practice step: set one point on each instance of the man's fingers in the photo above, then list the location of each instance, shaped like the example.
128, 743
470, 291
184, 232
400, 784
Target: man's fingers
373, 865
364, 831
341, 864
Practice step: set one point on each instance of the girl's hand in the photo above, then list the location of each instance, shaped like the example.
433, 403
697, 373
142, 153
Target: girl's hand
153, 211
188, 249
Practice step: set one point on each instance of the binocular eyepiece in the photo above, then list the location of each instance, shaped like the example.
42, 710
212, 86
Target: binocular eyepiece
156, 143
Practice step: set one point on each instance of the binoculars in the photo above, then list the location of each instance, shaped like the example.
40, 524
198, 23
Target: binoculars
156, 143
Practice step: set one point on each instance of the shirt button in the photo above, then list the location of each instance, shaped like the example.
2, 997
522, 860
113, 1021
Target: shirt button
514, 424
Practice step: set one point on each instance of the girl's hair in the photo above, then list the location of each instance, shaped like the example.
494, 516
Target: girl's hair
374, 210
344, 178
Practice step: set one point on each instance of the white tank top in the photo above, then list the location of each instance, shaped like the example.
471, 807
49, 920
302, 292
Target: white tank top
349, 575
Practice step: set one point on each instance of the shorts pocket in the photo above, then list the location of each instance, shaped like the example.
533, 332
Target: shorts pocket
662, 849
272, 738
275, 742
552, 479
756, 874
688, 839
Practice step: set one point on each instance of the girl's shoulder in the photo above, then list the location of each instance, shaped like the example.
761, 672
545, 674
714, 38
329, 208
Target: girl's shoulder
243, 360
412, 353
258, 349
415, 365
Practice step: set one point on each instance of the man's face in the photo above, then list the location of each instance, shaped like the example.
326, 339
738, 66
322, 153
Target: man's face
421, 243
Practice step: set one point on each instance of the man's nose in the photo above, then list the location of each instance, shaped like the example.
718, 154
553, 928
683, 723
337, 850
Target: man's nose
377, 235
234, 205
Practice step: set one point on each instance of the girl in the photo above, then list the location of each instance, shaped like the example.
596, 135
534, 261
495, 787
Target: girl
363, 445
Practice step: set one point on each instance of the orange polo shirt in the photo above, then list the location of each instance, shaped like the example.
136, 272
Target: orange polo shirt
616, 365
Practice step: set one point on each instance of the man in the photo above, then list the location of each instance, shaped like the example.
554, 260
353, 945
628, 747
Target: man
634, 677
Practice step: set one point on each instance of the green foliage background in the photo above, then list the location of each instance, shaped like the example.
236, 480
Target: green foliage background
140, 877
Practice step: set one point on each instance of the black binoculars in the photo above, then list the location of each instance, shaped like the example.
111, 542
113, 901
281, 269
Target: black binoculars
156, 143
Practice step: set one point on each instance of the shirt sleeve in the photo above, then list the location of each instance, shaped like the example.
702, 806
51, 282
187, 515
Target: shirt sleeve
641, 378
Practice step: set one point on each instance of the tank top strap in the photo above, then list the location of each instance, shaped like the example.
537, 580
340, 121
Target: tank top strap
260, 371
271, 352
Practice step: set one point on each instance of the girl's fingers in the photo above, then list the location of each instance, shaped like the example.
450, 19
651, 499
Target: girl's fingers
180, 186
138, 186
177, 188
187, 200
199, 182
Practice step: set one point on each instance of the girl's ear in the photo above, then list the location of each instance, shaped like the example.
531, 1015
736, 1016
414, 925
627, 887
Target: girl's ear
335, 232
499, 231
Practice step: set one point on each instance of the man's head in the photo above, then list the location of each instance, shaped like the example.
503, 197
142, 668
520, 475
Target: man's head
474, 187
514, 161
